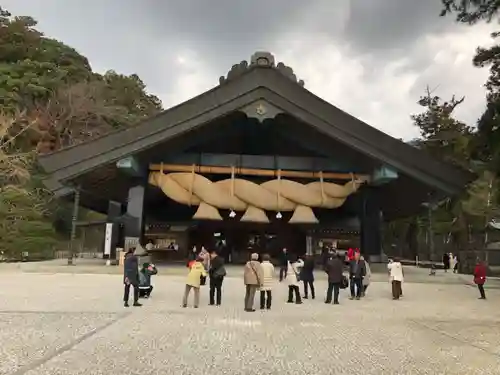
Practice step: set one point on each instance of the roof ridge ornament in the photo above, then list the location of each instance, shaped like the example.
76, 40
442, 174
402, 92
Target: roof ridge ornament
260, 59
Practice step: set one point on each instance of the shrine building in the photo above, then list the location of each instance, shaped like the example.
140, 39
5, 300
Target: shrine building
257, 163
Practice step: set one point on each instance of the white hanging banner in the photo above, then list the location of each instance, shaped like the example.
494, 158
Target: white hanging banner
107, 238
309, 247
494, 224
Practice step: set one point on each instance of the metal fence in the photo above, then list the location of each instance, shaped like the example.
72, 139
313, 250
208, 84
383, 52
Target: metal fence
491, 257
89, 241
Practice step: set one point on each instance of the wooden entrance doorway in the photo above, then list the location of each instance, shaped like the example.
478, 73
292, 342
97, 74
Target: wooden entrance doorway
235, 241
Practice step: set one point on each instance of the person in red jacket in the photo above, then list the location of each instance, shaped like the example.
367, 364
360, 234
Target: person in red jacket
480, 277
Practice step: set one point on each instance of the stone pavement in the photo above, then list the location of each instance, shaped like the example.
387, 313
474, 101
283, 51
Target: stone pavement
75, 324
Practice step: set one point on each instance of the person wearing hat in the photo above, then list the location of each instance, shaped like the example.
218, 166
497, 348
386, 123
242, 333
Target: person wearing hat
145, 287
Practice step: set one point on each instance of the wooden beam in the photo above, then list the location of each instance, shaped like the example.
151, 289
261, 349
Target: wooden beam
256, 172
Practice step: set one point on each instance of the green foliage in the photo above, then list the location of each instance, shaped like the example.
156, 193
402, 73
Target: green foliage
32, 67
471, 11
129, 92
487, 141
443, 135
50, 98
35, 70
450, 140
483, 197
23, 225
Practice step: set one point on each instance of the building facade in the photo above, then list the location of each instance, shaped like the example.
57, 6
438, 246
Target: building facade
256, 163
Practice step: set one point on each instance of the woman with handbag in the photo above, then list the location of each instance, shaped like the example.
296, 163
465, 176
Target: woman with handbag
336, 280
293, 279
196, 277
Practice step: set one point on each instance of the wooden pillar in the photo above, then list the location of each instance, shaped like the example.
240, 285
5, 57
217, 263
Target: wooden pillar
134, 217
370, 219
114, 213
74, 219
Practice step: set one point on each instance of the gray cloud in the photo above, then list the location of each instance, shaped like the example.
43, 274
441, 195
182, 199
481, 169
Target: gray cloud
180, 48
382, 25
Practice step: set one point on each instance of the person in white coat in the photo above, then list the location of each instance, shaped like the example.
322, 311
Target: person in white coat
396, 275
453, 262
368, 276
266, 295
292, 278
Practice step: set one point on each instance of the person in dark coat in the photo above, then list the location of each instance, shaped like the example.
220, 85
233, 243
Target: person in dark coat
307, 276
145, 287
334, 268
480, 277
325, 256
193, 254
284, 258
217, 272
446, 262
357, 271
131, 276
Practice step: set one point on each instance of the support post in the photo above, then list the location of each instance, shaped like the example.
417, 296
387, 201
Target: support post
74, 218
431, 232
370, 220
134, 223
114, 213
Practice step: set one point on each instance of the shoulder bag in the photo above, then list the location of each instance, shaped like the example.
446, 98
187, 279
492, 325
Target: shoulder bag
203, 280
344, 283
220, 272
297, 274
255, 273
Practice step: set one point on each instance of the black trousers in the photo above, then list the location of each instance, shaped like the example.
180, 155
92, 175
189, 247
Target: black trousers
216, 290
308, 284
356, 286
282, 272
266, 298
145, 292
481, 290
335, 289
294, 289
126, 293
397, 291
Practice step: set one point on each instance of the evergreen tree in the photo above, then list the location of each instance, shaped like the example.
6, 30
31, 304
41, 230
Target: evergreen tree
50, 98
471, 11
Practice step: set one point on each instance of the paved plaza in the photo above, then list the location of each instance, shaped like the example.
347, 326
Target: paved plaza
76, 324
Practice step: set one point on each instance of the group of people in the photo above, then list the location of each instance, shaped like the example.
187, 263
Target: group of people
259, 274
450, 261
206, 264
138, 279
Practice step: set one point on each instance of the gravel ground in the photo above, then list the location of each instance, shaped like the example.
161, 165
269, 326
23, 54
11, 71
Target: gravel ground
76, 324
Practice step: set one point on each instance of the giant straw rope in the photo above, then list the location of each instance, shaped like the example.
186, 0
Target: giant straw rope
243, 195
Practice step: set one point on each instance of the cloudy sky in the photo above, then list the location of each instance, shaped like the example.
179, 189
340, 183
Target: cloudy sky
371, 58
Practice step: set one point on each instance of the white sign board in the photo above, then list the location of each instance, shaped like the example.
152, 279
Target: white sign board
107, 238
